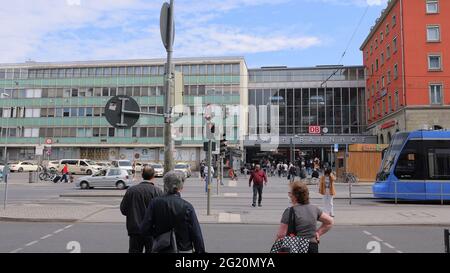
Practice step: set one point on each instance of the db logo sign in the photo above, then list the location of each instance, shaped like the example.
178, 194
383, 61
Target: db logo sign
314, 130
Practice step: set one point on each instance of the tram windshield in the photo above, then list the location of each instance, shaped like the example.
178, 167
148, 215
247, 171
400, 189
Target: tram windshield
391, 154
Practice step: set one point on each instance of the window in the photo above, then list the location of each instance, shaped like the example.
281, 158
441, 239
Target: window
432, 6
389, 77
381, 37
436, 94
382, 82
387, 29
371, 49
439, 163
390, 104
388, 52
433, 34
394, 44
396, 100
378, 86
434, 62
395, 71
376, 64
383, 107
376, 43
394, 20
66, 112
382, 58
111, 132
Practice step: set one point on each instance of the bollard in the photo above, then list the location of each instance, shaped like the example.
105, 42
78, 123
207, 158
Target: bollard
446, 241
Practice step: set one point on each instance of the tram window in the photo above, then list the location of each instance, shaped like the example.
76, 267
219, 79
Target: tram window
439, 163
410, 163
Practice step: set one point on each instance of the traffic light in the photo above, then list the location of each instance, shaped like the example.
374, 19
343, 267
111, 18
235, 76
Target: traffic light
210, 130
223, 145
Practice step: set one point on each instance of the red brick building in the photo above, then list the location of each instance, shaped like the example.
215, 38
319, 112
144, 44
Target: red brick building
407, 59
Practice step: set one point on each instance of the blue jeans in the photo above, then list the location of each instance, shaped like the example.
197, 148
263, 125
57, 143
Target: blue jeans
64, 177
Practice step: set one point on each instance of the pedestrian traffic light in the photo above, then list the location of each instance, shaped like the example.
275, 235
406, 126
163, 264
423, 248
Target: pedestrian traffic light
223, 145
210, 130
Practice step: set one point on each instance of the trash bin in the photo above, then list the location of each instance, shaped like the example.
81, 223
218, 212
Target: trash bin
32, 177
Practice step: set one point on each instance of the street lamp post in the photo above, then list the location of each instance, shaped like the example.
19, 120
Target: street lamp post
5, 173
293, 149
3, 95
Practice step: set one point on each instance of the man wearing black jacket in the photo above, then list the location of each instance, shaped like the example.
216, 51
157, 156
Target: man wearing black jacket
171, 212
133, 206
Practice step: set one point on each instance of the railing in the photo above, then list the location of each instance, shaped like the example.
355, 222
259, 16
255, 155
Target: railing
398, 195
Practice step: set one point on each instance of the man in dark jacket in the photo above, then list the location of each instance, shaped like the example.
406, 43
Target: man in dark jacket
133, 206
171, 212
259, 178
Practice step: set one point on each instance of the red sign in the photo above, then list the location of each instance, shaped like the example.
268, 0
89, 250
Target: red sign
389, 124
314, 130
48, 141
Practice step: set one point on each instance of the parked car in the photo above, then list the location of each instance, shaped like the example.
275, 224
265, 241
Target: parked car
80, 166
123, 164
24, 166
159, 169
53, 165
183, 167
106, 178
104, 164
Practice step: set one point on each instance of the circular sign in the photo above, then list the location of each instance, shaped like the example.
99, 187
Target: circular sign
48, 141
325, 130
113, 112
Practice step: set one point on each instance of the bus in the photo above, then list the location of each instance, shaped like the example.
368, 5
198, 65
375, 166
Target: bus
415, 166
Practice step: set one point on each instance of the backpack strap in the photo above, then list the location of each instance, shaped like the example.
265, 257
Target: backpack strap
291, 225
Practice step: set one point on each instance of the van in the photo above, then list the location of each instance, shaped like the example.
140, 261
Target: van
79, 166
123, 164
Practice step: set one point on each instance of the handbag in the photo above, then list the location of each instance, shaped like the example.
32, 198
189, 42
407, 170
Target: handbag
165, 243
291, 243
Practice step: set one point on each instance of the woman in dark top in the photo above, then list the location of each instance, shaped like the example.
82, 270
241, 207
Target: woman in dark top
306, 217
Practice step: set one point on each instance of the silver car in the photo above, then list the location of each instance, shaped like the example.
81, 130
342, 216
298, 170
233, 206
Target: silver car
107, 178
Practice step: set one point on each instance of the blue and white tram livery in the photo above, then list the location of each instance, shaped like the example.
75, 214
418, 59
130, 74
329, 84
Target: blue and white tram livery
415, 166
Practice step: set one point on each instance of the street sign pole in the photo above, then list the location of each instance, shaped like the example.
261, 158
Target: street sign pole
209, 177
167, 35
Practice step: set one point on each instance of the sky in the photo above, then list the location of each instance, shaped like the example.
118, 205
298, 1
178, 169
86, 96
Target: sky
294, 33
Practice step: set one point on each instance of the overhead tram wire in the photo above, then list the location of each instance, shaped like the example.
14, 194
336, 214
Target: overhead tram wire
348, 45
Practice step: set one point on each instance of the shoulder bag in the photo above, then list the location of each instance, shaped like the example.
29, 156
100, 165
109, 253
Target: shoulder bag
291, 243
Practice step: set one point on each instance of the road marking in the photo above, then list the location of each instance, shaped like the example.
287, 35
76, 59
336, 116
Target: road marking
230, 194
16, 250
232, 184
58, 231
376, 238
398, 251
46, 236
229, 218
367, 233
69, 226
388, 245
31, 243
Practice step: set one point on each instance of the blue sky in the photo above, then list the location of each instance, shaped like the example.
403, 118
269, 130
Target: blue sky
295, 33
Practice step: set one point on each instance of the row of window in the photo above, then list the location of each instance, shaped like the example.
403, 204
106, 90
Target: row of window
285, 75
379, 108
380, 62
194, 69
143, 132
382, 84
132, 91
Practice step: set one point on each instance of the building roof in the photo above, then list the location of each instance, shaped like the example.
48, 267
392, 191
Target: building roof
378, 22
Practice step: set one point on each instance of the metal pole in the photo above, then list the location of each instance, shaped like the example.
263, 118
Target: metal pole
6, 191
292, 151
446, 241
168, 144
209, 177
219, 174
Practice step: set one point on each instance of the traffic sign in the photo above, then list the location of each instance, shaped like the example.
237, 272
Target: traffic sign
167, 26
40, 150
117, 112
49, 141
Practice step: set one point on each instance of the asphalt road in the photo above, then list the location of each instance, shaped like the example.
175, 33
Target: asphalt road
219, 238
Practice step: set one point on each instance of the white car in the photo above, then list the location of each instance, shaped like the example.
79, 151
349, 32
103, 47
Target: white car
53, 165
159, 169
24, 166
107, 178
183, 167
123, 164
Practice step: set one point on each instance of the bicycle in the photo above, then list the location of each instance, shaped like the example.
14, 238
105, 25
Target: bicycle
350, 178
47, 175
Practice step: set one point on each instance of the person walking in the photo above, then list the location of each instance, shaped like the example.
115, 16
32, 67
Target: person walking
134, 205
259, 179
328, 191
306, 217
292, 173
65, 173
171, 212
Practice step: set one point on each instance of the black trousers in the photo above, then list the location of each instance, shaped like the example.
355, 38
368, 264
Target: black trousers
257, 190
313, 248
139, 243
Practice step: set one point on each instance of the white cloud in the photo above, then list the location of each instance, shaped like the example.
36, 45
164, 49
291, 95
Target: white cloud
59, 30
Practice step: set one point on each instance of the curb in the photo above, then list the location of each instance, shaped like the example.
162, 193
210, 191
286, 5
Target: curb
36, 220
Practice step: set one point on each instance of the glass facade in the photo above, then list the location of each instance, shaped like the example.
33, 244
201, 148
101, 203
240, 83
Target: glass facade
305, 100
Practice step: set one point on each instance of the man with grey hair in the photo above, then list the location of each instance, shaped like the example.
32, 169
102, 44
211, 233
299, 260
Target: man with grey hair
171, 212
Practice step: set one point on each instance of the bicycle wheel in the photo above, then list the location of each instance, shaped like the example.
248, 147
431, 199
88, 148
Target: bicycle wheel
43, 176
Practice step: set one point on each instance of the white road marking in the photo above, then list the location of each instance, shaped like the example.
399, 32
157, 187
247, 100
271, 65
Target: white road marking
31, 243
58, 231
229, 218
46, 236
398, 251
388, 245
230, 194
232, 183
16, 250
69, 226
367, 233
376, 238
